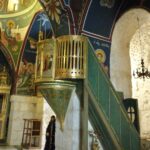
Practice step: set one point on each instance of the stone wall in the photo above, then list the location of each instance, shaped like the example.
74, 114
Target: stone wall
126, 52
22, 107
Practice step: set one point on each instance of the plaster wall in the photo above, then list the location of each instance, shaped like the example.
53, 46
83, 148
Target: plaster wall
139, 48
120, 64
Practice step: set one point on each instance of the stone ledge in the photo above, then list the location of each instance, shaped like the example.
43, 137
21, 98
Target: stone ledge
26, 99
7, 148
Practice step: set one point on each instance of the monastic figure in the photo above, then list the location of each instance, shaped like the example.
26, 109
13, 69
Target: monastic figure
50, 135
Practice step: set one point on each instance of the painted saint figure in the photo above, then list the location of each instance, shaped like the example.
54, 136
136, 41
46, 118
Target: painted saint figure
50, 134
50, 62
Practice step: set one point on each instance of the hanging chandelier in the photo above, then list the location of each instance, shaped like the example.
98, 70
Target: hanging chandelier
142, 72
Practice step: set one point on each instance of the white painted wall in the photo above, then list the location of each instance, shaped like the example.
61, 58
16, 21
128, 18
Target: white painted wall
141, 88
120, 64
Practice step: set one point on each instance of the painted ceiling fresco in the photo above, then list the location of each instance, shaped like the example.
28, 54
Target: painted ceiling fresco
93, 18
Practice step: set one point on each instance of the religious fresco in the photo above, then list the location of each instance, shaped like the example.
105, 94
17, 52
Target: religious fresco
93, 18
45, 52
27, 65
3, 4
105, 18
58, 16
102, 52
96, 22
13, 31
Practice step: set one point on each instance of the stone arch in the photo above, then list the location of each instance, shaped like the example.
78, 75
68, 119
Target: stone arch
140, 48
120, 65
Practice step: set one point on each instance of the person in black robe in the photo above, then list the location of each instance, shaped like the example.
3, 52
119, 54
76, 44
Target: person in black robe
50, 134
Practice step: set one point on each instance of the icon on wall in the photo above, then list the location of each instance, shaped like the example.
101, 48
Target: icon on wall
100, 55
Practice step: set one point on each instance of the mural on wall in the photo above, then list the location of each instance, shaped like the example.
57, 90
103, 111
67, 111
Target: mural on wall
3, 4
104, 17
9, 6
96, 21
11, 38
13, 31
27, 65
92, 18
102, 52
99, 20
58, 16
97, 24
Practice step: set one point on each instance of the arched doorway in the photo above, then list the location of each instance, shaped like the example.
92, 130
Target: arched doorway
125, 57
140, 48
120, 65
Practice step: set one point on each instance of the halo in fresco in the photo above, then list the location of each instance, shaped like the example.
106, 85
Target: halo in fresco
100, 55
10, 23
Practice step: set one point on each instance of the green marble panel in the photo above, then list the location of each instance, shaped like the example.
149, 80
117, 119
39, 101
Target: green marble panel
110, 105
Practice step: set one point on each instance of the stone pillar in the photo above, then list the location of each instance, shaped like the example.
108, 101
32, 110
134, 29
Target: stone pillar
84, 120
69, 138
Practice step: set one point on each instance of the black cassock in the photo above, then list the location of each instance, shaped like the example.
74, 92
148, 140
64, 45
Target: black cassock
50, 136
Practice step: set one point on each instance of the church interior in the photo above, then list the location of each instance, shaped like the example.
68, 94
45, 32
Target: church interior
85, 63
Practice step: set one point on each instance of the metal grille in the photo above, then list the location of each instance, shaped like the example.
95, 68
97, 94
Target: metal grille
71, 57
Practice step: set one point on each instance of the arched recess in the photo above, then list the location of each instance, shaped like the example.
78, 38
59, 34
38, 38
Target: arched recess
140, 48
120, 65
